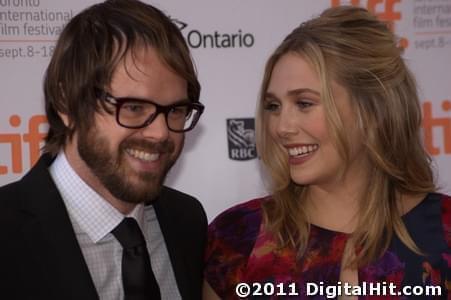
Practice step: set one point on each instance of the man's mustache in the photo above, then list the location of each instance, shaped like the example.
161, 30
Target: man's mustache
148, 146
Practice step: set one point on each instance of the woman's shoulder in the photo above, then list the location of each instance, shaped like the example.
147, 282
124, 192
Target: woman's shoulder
437, 203
248, 212
446, 216
431, 217
445, 202
231, 238
238, 224
441, 204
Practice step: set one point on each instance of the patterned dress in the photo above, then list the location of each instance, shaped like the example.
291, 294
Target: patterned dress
240, 250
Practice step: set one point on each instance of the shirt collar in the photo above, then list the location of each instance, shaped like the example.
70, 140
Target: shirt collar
93, 213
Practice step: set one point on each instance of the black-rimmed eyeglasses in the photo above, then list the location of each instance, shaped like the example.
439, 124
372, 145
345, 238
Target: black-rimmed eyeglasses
138, 113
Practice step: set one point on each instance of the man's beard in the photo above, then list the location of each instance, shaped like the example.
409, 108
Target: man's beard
116, 175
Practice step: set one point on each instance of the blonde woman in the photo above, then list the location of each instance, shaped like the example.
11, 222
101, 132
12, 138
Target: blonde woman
353, 201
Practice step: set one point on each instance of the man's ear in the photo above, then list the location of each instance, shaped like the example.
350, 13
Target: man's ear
65, 118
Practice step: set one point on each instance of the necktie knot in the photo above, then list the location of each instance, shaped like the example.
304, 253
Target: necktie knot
129, 234
137, 277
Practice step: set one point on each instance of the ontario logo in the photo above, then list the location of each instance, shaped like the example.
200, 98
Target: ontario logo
198, 39
241, 139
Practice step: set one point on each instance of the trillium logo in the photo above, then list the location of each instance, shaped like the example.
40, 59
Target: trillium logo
181, 25
241, 139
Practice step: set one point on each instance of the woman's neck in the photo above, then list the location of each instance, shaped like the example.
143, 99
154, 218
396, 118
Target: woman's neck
336, 205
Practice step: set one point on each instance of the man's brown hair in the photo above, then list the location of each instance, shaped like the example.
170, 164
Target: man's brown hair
88, 50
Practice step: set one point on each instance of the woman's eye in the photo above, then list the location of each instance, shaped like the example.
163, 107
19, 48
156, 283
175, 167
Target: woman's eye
302, 104
271, 106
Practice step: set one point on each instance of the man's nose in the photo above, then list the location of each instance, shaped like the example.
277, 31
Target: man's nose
157, 130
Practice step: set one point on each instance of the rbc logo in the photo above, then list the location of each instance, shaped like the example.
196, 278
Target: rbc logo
241, 139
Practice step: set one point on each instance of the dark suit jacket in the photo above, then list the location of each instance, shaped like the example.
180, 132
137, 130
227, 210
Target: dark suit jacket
40, 256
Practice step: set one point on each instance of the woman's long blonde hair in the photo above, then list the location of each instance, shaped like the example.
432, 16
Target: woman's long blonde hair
350, 46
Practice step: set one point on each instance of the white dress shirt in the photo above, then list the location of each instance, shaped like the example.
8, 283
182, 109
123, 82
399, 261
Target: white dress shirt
93, 219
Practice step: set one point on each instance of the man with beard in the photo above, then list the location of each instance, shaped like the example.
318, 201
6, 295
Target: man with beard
92, 220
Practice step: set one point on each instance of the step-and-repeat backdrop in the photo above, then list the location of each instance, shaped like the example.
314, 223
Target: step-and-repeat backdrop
230, 41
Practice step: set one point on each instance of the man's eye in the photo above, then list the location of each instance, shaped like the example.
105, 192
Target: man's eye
133, 107
181, 111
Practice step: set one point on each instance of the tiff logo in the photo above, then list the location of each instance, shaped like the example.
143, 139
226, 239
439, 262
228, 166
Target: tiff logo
430, 123
15, 141
384, 10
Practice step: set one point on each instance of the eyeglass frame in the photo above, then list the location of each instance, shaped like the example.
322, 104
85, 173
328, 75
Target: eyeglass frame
118, 102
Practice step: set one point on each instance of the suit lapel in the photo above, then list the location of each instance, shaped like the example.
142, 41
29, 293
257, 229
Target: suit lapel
51, 238
176, 254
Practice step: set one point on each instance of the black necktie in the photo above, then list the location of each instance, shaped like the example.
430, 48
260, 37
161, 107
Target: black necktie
137, 276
